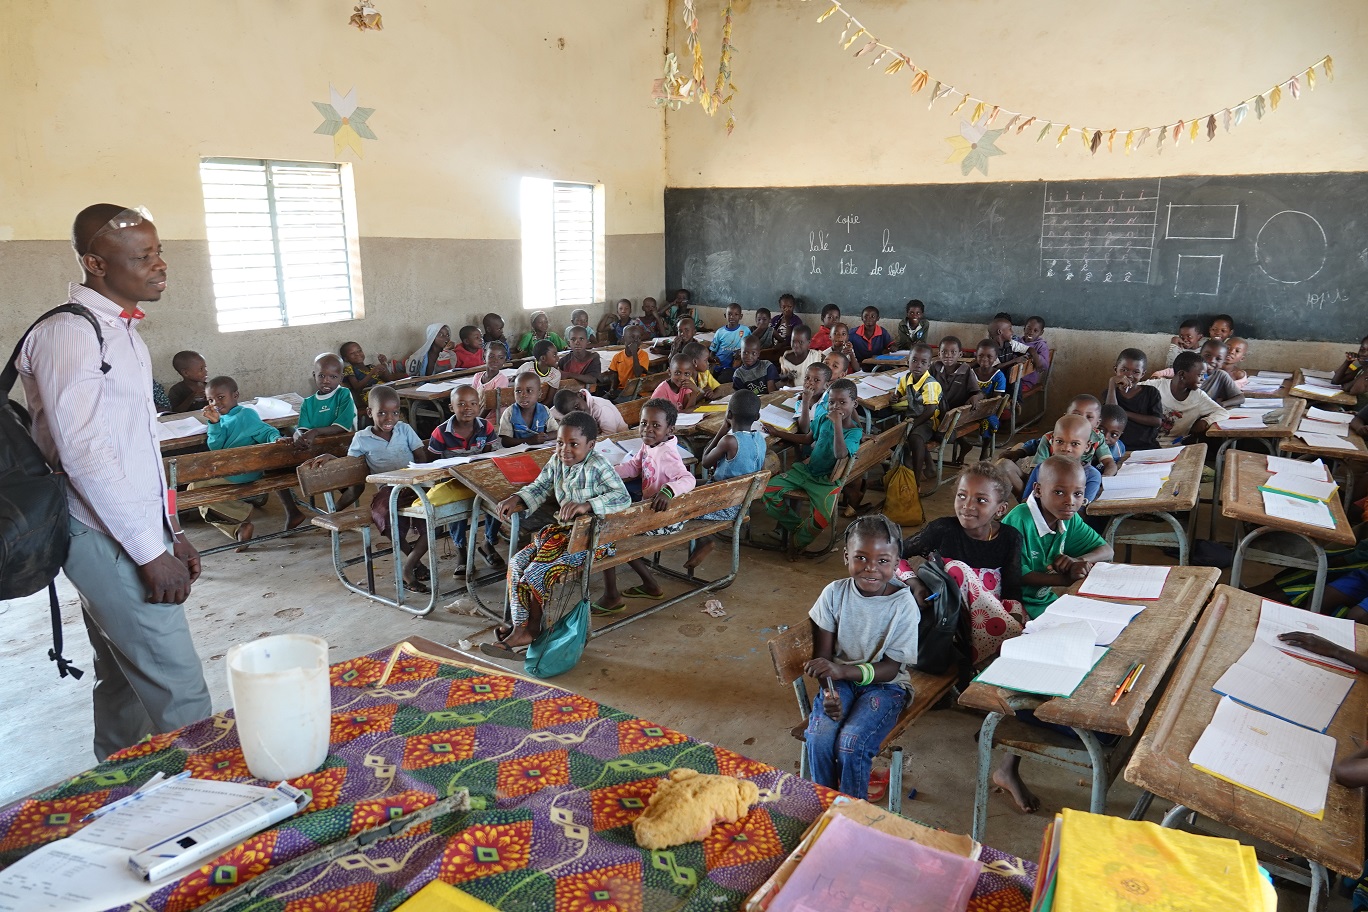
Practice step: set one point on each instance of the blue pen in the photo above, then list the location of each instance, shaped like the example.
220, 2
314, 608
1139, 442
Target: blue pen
147, 788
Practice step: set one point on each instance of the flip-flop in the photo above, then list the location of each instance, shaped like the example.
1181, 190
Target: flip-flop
639, 592
418, 586
500, 651
597, 609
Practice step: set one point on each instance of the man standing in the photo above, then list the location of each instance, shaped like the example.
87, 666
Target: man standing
101, 428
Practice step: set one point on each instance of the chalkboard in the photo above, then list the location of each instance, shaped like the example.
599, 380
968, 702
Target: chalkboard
1285, 254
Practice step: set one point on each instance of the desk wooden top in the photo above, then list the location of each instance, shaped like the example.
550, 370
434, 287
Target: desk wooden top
1242, 500
1334, 398
1153, 638
1178, 495
411, 391
200, 439
1295, 446
710, 425
1160, 764
1293, 410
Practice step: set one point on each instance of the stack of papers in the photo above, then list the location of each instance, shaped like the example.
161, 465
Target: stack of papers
1240, 418
1125, 581
1314, 374
1297, 509
1263, 404
1131, 486
1327, 428
878, 384
294, 400
1275, 619
775, 416
1170, 454
466, 460
689, 419
1052, 662
1269, 680
442, 386
1107, 619
1274, 375
1263, 384
1314, 470
179, 427
268, 407
1312, 385
1299, 486
1324, 441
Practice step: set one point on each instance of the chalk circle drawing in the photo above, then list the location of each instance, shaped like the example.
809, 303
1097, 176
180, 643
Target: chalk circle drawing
711, 276
1291, 247
1198, 275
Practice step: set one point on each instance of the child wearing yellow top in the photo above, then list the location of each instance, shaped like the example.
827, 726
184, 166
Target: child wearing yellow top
708, 386
918, 386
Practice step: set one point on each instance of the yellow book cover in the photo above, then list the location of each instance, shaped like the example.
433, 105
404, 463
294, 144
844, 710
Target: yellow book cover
443, 897
1107, 864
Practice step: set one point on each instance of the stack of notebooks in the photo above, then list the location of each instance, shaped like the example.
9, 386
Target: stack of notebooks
1267, 735
857, 855
1299, 491
1330, 430
1142, 476
1265, 382
1093, 863
878, 384
1316, 385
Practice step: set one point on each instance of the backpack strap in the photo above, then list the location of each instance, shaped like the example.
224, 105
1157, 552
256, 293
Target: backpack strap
11, 371
64, 666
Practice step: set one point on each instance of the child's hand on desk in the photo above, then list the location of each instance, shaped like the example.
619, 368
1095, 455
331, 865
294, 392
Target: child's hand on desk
211, 413
568, 512
1312, 643
318, 461
1071, 568
304, 439
660, 501
896, 396
509, 506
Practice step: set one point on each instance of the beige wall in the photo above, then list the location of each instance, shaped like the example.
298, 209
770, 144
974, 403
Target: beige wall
109, 102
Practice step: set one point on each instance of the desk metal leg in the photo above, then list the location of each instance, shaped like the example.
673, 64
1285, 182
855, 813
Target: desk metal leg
434, 584
985, 772
1100, 779
1216, 487
476, 521
1179, 533
1322, 564
1142, 806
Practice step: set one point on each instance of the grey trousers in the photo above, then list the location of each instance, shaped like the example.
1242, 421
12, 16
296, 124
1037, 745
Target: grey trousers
148, 677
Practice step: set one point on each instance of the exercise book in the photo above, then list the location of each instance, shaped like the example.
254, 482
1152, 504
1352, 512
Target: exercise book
1275, 619
1283, 465
1297, 509
1299, 486
1052, 662
1107, 619
1142, 583
1269, 680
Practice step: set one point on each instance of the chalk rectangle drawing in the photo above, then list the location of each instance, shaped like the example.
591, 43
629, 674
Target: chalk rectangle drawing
1198, 274
1206, 222
1099, 233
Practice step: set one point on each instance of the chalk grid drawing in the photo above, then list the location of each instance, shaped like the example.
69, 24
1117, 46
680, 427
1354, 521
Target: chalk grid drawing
1101, 233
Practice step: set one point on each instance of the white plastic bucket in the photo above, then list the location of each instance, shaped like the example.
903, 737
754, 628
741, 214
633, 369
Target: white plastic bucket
280, 694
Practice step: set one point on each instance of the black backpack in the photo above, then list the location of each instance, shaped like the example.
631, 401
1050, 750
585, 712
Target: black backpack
943, 637
33, 500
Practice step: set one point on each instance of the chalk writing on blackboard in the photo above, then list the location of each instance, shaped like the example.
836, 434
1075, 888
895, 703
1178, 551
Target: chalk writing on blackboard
1205, 222
1290, 247
1098, 233
1198, 274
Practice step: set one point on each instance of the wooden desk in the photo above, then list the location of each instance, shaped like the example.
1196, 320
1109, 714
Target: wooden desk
1270, 436
1153, 638
1355, 460
200, 439
1242, 501
1334, 398
707, 428
1178, 495
1160, 766
1279, 393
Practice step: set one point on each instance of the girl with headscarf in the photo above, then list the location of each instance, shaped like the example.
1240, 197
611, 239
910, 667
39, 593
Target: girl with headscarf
435, 354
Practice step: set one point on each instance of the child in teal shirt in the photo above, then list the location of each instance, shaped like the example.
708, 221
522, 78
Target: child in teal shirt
232, 425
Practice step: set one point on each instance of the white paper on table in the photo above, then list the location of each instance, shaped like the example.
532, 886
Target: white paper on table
1327, 428
293, 400
1052, 662
631, 444
792, 404
612, 451
440, 386
180, 427
1136, 457
783, 419
1157, 469
1300, 485
1264, 754
1130, 487
1242, 418
269, 407
1275, 618
689, 419
1308, 389
1107, 619
1313, 373
1275, 375
1126, 581
1262, 384
1281, 465
725, 400
1325, 441
703, 337
1332, 417
1262, 402
1271, 681
1298, 510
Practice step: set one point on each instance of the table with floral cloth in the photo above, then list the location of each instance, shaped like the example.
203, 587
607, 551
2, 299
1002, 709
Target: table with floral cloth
554, 782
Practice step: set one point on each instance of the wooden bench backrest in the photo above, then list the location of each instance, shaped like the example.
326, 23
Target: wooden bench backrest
649, 384
959, 421
642, 518
262, 457
332, 475
790, 651
630, 411
871, 452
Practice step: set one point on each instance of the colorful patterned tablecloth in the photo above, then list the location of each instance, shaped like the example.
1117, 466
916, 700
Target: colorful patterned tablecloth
554, 780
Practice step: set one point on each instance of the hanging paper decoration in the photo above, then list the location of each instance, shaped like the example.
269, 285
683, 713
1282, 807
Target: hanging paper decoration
675, 90
345, 122
365, 17
1231, 116
973, 147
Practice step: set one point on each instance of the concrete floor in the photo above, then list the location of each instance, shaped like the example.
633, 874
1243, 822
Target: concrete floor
711, 678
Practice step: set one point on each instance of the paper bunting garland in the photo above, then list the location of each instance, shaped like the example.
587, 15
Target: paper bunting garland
344, 122
674, 89
985, 112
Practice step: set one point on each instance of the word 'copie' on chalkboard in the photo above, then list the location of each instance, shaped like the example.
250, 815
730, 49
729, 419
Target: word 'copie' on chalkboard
1286, 254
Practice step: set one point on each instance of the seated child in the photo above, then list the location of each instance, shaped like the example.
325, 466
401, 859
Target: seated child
727, 341
982, 556
492, 326
436, 355
735, 450
754, 373
763, 330
360, 376
918, 395
1185, 409
1222, 327
189, 395
631, 362
580, 363
708, 386
821, 339
1097, 456
657, 473
581, 481
1113, 426
840, 341
543, 367
680, 388
1070, 439
786, 321
913, 327
465, 433
1140, 402
684, 334
1189, 339
1038, 350
605, 415
1010, 348
812, 408
159, 398
1057, 549
623, 309
526, 420
649, 321
1350, 376
1216, 383
836, 437
580, 317
678, 308
869, 338
793, 364
987, 382
1236, 350
953, 375
470, 352
232, 425
329, 411
540, 332
838, 364
493, 377
864, 638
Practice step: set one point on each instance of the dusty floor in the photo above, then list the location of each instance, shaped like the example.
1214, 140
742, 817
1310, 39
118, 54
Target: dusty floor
711, 678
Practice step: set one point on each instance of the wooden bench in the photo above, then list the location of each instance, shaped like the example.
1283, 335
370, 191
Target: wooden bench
1040, 391
626, 530
631, 411
326, 480
962, 422
791, 650
277, 460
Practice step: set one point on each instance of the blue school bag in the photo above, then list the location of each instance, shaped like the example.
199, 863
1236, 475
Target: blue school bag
558, 648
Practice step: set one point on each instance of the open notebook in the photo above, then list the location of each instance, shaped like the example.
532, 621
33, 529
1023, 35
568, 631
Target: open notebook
1052, 662
1267, 679
1107, 619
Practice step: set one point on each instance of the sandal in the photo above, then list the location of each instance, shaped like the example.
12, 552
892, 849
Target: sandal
421, 573
417, 585
640, 592
491, 556
500, 651
596, 609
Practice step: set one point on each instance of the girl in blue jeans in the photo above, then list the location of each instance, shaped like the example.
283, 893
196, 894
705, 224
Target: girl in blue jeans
864, 636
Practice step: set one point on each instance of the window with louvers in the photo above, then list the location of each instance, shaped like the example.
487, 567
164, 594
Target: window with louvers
572, 227
282, 242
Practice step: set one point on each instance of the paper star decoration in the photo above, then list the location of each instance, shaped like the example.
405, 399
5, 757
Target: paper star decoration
345, 122
973, 147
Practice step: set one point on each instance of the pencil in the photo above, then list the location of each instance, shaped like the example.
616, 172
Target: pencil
1121, 686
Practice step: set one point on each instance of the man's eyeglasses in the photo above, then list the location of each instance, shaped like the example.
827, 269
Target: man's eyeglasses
126, 219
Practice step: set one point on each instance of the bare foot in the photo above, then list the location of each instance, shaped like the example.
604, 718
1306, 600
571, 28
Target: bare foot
244, 535
700, 554
293, 520
1025, 799
520, 636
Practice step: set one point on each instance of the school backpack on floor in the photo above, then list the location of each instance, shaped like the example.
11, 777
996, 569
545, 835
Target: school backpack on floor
34, 531
943, 637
